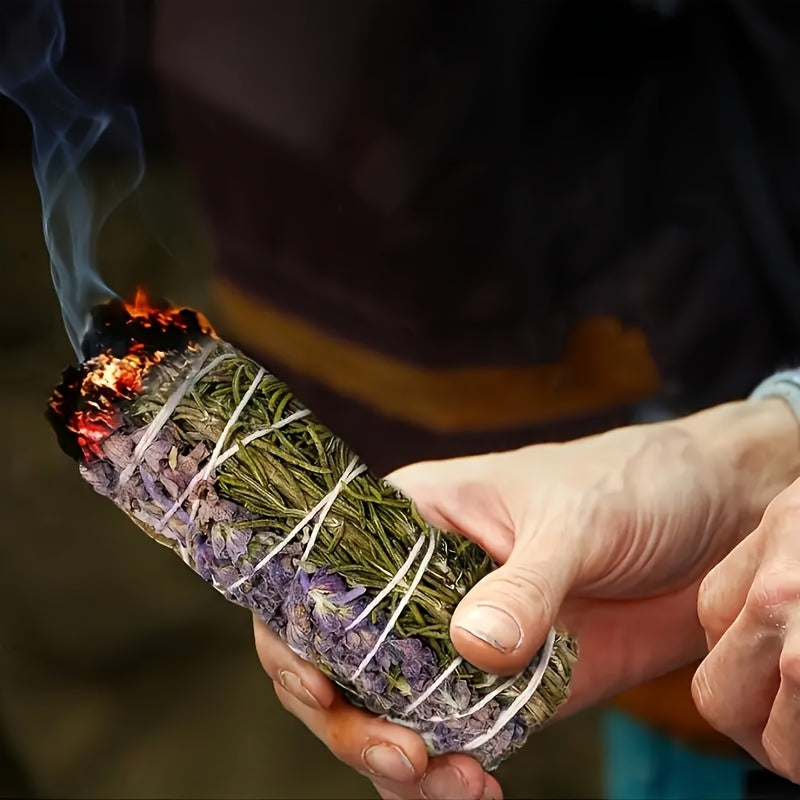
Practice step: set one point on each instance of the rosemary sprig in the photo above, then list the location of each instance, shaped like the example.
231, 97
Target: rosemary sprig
371, 543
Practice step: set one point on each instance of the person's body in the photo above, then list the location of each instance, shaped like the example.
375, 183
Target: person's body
466, 231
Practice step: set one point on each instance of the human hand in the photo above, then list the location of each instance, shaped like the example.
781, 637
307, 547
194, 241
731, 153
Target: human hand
748, 686
392, 756
612, 533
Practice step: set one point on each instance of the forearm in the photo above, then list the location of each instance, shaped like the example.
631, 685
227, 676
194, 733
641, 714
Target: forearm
754, 447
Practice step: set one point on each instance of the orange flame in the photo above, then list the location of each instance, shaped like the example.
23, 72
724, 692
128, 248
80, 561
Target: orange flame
142, 309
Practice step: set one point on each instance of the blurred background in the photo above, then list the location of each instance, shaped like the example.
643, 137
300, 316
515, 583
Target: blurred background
121, 673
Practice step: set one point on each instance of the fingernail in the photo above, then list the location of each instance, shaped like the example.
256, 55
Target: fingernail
295, 686
388, 761
492, 625
444, 783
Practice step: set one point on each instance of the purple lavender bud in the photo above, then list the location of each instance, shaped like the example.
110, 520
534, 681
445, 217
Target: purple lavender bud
158, 497
310, 607
218, 542
203, 557
331, 601
237, 542
418, 663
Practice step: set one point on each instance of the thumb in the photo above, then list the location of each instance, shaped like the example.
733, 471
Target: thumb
463, 495
504, 620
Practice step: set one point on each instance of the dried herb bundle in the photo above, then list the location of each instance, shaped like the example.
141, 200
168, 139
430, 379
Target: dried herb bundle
213, 456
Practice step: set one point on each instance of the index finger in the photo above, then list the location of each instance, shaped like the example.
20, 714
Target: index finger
296, 675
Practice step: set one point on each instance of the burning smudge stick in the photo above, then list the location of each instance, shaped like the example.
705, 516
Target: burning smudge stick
214, 457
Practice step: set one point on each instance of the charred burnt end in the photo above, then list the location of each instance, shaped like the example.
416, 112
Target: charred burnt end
83, 411
63, 404
75, 416
114, 329
78, 417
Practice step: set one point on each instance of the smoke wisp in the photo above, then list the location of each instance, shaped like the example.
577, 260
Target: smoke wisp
66, 130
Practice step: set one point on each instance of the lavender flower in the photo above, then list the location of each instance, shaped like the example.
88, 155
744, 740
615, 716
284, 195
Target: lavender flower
245, 526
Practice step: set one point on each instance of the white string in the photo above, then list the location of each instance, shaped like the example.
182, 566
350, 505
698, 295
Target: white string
294, 531
213, 460
404, 600
278, 547
152, 430
487, 698
401, 573
231, 451
165, 413
212, 364
251, 437
454, 665
510, 712
348, 475
237, 412
196, 478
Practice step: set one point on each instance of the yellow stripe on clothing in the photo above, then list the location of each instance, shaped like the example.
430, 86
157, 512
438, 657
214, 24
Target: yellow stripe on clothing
603, 366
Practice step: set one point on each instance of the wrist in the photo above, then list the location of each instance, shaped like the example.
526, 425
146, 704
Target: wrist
754, 447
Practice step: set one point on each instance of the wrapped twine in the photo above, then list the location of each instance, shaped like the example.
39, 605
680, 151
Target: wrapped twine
217, 459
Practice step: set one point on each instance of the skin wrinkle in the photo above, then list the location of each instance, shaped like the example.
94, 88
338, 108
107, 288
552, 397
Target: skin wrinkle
524, 579
777, 739
773, 592
604, 510
467, 511
777, 755
708, 512
712, 614
724, 589
473, 496
746, 662
725, 716
783, 762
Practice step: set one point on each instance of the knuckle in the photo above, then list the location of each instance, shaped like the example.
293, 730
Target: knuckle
779, 525
789, 664
781, 516
707, 701
713, 616
701, 693
771, 592
706, 605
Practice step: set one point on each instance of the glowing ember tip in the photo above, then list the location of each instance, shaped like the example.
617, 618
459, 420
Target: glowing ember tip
125, 341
